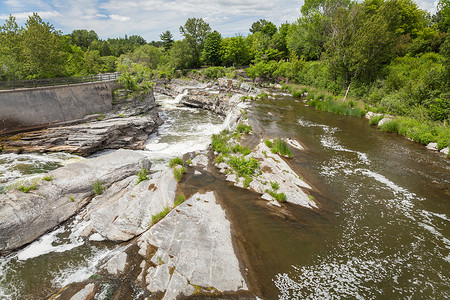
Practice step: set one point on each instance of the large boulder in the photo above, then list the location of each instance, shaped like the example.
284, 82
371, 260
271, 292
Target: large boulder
26, 216
195, 251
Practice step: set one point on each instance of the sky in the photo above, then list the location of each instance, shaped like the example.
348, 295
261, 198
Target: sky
149, 18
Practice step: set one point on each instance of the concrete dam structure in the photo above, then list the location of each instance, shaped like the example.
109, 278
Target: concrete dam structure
28, 108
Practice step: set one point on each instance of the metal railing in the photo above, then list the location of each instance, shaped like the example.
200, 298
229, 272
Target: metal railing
49, 82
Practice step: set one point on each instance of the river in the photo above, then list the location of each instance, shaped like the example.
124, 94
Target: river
382, 230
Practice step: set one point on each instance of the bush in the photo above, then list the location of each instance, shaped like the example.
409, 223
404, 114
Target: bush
219, 142
390, 126
280, 147
241, 128
375, 120
243, 166
97, 186
176, 161
268, 143
142, 175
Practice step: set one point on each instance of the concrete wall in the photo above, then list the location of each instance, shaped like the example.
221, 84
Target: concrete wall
33, 107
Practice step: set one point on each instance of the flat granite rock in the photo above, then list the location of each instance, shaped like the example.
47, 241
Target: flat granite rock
194, 242
26, 216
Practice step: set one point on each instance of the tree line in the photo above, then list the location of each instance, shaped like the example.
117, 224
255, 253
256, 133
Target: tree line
390, 52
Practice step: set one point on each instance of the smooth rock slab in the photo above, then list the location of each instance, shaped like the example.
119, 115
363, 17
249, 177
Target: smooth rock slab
194, 240
26, 216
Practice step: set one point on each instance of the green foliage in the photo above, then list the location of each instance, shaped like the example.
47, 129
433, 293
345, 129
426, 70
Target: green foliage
332, 106
280, 147
167, 39
142, 175
280, 197
220, 142
195, 32
390, 126
242, 128
97, 186
275, 185
243, 166
177, 174
176, 161
180, 199
48, 178
211, 52
268, 143
156, 218
26, 186
375, 120
247, 181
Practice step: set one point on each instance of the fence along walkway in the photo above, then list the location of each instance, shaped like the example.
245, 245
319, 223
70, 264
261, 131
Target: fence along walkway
34, 83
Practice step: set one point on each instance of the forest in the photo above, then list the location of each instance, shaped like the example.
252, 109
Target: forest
387, 56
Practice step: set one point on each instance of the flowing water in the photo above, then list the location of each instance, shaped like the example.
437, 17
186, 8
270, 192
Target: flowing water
382, 230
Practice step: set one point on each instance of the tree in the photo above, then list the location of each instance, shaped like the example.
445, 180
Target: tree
167, 39
11, 58
181, 56
211, 51
235, 51
195, 32
83, 38
42, 49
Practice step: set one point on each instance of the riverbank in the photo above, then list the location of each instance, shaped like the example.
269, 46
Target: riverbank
434, 135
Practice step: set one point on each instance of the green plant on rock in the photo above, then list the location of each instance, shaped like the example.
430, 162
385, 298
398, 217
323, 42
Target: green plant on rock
268, 143
247, 181
97, 186
180, 199
176, 161
280, 197
142, 175
243, 166
275, 185
48, 178
281, 147
26, 186
159, 216
177, 174
242, 128
375, 120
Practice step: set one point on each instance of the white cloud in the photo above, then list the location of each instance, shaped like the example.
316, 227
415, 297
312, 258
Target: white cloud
119, 18
24, 15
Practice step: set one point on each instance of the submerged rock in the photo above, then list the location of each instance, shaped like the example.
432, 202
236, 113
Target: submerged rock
26, 216
194, 251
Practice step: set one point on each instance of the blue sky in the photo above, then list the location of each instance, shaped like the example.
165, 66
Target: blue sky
148, 18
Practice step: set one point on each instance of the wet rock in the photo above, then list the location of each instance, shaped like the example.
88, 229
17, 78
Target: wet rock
26, 216
86, 293
384, 120
116, 265
200, 160
125, 210
444, 151
433, 146
128, 127
194, 248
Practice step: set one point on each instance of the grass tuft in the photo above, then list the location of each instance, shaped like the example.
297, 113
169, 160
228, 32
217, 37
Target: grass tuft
280, 147
180, 199
156, 218
97, 186
142, 175
176, 161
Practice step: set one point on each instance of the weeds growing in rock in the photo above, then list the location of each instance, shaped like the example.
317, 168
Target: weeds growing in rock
280, 147
375, 120
48, 178
243, 166
71, 199
26, 186
142, 175
247, 181
180, 199
156, 218
242, 128
280, 197
98, 187
176, 161
219, 142
268, 143
177, 174
275, 185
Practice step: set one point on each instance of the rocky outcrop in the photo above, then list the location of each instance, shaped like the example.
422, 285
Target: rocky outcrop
194, 251
125, 210
126, 127
26, 216
273, 172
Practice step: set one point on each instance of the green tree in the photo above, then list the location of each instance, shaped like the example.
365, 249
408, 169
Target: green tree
11, 58
181, 56
167, 39
83, 38
195, 32
42, 49
211, 50
263, 26
235, 51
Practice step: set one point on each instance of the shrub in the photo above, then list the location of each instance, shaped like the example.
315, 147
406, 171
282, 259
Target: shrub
268, 143
375, 120
241, 128
219, 142
98, 187
142, 175
275, 185
247, 180
243, 166
180, 199
176, 161
280, 147
177, 174
390, 126
280, 197
156, 218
